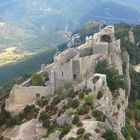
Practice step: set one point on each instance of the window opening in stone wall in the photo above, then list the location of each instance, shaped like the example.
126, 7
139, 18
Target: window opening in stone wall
106, 38
74, 76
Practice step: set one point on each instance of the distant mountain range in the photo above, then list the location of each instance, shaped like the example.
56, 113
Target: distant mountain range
35, 26
43, 20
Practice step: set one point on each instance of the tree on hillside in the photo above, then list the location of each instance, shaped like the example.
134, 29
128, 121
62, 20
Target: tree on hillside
114, 80
110, 135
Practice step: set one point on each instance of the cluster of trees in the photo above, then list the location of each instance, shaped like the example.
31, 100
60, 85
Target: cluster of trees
114, 80
110, 135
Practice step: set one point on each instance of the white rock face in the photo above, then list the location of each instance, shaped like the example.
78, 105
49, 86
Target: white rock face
131, 37
64, 119
54, 136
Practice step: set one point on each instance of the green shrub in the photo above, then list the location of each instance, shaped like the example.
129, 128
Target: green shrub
28, 113
71, 93
137, 115
67, 105
76, 119
79, 124
81, 95
46, 123
61, 111
51, 129
68, 86
87, 117
36, 80
114, 80
29, 109
19, 118
4, 116
118, 106
136, 135
43, 102
65, 130
75, 103
51, 109
10, 122
55, 127
56, 100
89, 99
83, 110
110, 135
46, 76
99, 95
86, 136
44, 115
80, 131
97, 114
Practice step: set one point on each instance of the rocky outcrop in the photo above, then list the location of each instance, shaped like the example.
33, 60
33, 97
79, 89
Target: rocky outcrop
131, 37
125, 59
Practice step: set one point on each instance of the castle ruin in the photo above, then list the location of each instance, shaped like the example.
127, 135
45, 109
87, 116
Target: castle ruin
78, 65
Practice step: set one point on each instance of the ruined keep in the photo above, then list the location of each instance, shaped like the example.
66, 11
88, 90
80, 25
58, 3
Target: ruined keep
78, 64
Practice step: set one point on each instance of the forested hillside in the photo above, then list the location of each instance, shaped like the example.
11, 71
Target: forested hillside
132, 128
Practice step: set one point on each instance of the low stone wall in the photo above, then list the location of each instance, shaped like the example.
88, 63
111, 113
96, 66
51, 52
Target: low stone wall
23, 96
48, 68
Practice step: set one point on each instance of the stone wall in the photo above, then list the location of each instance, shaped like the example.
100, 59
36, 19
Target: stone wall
85, 51
61, 75
87, 66
65, 56
115, 56
100, 48
23, 96
97, 82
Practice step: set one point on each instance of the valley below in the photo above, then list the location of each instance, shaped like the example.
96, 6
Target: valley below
10, 55
33, 28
